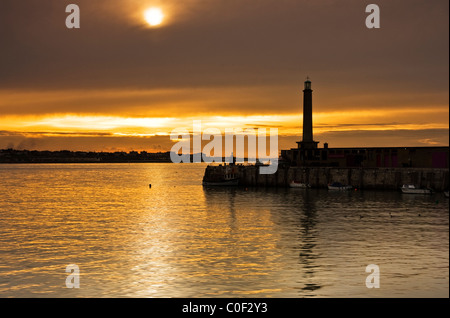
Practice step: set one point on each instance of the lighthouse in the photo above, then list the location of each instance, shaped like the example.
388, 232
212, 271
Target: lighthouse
307, 138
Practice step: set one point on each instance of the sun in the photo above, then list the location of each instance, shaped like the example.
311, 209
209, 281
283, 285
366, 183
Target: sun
154, 16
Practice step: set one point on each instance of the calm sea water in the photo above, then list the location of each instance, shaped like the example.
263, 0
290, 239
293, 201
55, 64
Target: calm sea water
179, 239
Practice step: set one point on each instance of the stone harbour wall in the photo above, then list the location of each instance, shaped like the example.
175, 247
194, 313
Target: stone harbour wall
362, 178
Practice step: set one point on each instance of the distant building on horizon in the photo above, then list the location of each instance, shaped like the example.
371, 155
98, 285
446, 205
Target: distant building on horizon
308, 153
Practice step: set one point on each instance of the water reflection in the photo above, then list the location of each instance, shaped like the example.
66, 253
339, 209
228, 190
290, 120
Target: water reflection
223, 199
307, 241
292, 219
179, 239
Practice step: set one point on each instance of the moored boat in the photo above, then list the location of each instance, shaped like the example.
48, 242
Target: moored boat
339, 186
296, 184
228, 176
411, 189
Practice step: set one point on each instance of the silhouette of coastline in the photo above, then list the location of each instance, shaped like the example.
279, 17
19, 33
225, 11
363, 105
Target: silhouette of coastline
66, 156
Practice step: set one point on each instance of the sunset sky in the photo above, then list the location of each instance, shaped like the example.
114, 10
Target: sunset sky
118, 83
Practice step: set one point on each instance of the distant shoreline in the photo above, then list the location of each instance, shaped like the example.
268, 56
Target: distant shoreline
12, 156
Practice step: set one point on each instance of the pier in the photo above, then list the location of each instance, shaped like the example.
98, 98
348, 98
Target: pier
319, 177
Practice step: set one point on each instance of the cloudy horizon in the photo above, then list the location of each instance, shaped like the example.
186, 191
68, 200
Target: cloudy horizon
116, 84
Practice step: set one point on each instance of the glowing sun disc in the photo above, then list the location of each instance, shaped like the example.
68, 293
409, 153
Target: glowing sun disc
154, 16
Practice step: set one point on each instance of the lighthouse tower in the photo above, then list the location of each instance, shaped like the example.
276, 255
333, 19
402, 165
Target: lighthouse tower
307, 141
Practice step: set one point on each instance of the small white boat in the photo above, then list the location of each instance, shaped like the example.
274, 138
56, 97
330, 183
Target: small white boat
339, 186
411, 189
295, 184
